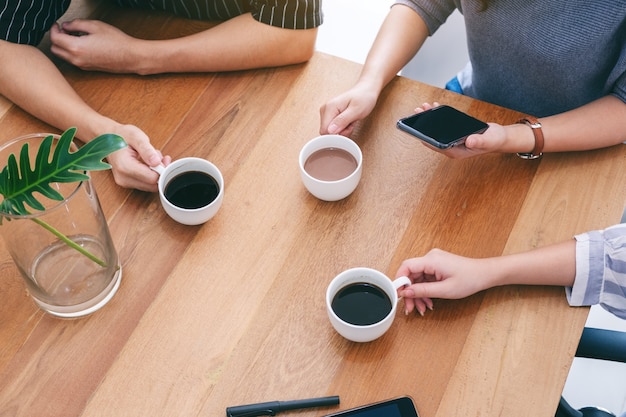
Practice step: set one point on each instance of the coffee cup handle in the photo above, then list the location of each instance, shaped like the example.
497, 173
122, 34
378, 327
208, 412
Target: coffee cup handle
401, 282
159, 169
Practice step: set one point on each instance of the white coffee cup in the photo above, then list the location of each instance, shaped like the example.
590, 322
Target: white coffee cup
364, 332
190, 216
331, 190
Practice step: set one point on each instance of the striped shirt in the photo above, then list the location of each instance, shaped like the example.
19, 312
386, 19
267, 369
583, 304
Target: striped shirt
601, 270
27, 21
289, 14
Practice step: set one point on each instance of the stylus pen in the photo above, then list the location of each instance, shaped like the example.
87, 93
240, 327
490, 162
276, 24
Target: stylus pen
274, 407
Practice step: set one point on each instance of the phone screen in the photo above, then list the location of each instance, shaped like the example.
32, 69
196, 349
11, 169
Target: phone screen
388, 410
442, 126
398, 407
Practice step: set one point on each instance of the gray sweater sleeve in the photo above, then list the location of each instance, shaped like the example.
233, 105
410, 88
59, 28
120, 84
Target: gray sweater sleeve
434, 13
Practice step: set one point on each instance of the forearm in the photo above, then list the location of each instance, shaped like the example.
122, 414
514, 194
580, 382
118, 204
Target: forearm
599, 124
400, 37
549, 265
237, 44
31, 81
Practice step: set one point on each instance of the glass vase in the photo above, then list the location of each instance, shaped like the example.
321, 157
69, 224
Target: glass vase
65, 252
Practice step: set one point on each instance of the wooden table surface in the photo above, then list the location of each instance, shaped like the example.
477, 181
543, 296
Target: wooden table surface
233, 312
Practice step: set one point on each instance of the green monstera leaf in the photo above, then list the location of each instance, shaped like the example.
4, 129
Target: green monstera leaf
20, 180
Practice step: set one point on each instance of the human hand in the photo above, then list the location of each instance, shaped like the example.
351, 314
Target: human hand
440, 274
492, 140
338, 115
131, 165
93, 45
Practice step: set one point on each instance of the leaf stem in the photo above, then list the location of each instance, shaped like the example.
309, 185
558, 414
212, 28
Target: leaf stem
70, 242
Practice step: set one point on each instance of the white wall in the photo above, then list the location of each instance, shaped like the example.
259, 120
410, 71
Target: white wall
350, 27
442, 55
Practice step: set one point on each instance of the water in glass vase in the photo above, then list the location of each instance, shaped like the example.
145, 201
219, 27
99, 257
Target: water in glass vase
66, 283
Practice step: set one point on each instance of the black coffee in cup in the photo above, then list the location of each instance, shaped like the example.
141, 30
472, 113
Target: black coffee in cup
192, 190
361, 304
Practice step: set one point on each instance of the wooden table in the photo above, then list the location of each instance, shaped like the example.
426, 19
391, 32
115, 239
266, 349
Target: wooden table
232, 312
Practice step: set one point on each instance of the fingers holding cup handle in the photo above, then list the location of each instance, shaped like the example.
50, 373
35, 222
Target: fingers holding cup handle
401, 282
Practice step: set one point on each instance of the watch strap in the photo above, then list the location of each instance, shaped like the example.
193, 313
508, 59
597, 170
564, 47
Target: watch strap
535, 125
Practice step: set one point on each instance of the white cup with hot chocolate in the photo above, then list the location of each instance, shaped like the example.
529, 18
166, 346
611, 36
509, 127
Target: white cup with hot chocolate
330, 166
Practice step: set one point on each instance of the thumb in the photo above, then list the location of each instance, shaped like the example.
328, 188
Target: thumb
149, 155
81, 26
140, 142
478, 141
338, 124
343, 120
474, 142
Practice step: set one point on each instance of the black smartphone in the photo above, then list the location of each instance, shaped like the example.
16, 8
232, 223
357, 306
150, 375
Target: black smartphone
442, 126
397, 407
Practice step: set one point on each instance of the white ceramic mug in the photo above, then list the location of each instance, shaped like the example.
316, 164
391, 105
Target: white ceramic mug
337, 189
189, 216
364, 333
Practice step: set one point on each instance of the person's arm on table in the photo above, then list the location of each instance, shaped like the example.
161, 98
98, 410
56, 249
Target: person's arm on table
235, 44
440, 274
592, 267
31, 81
400, 37
599, 124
